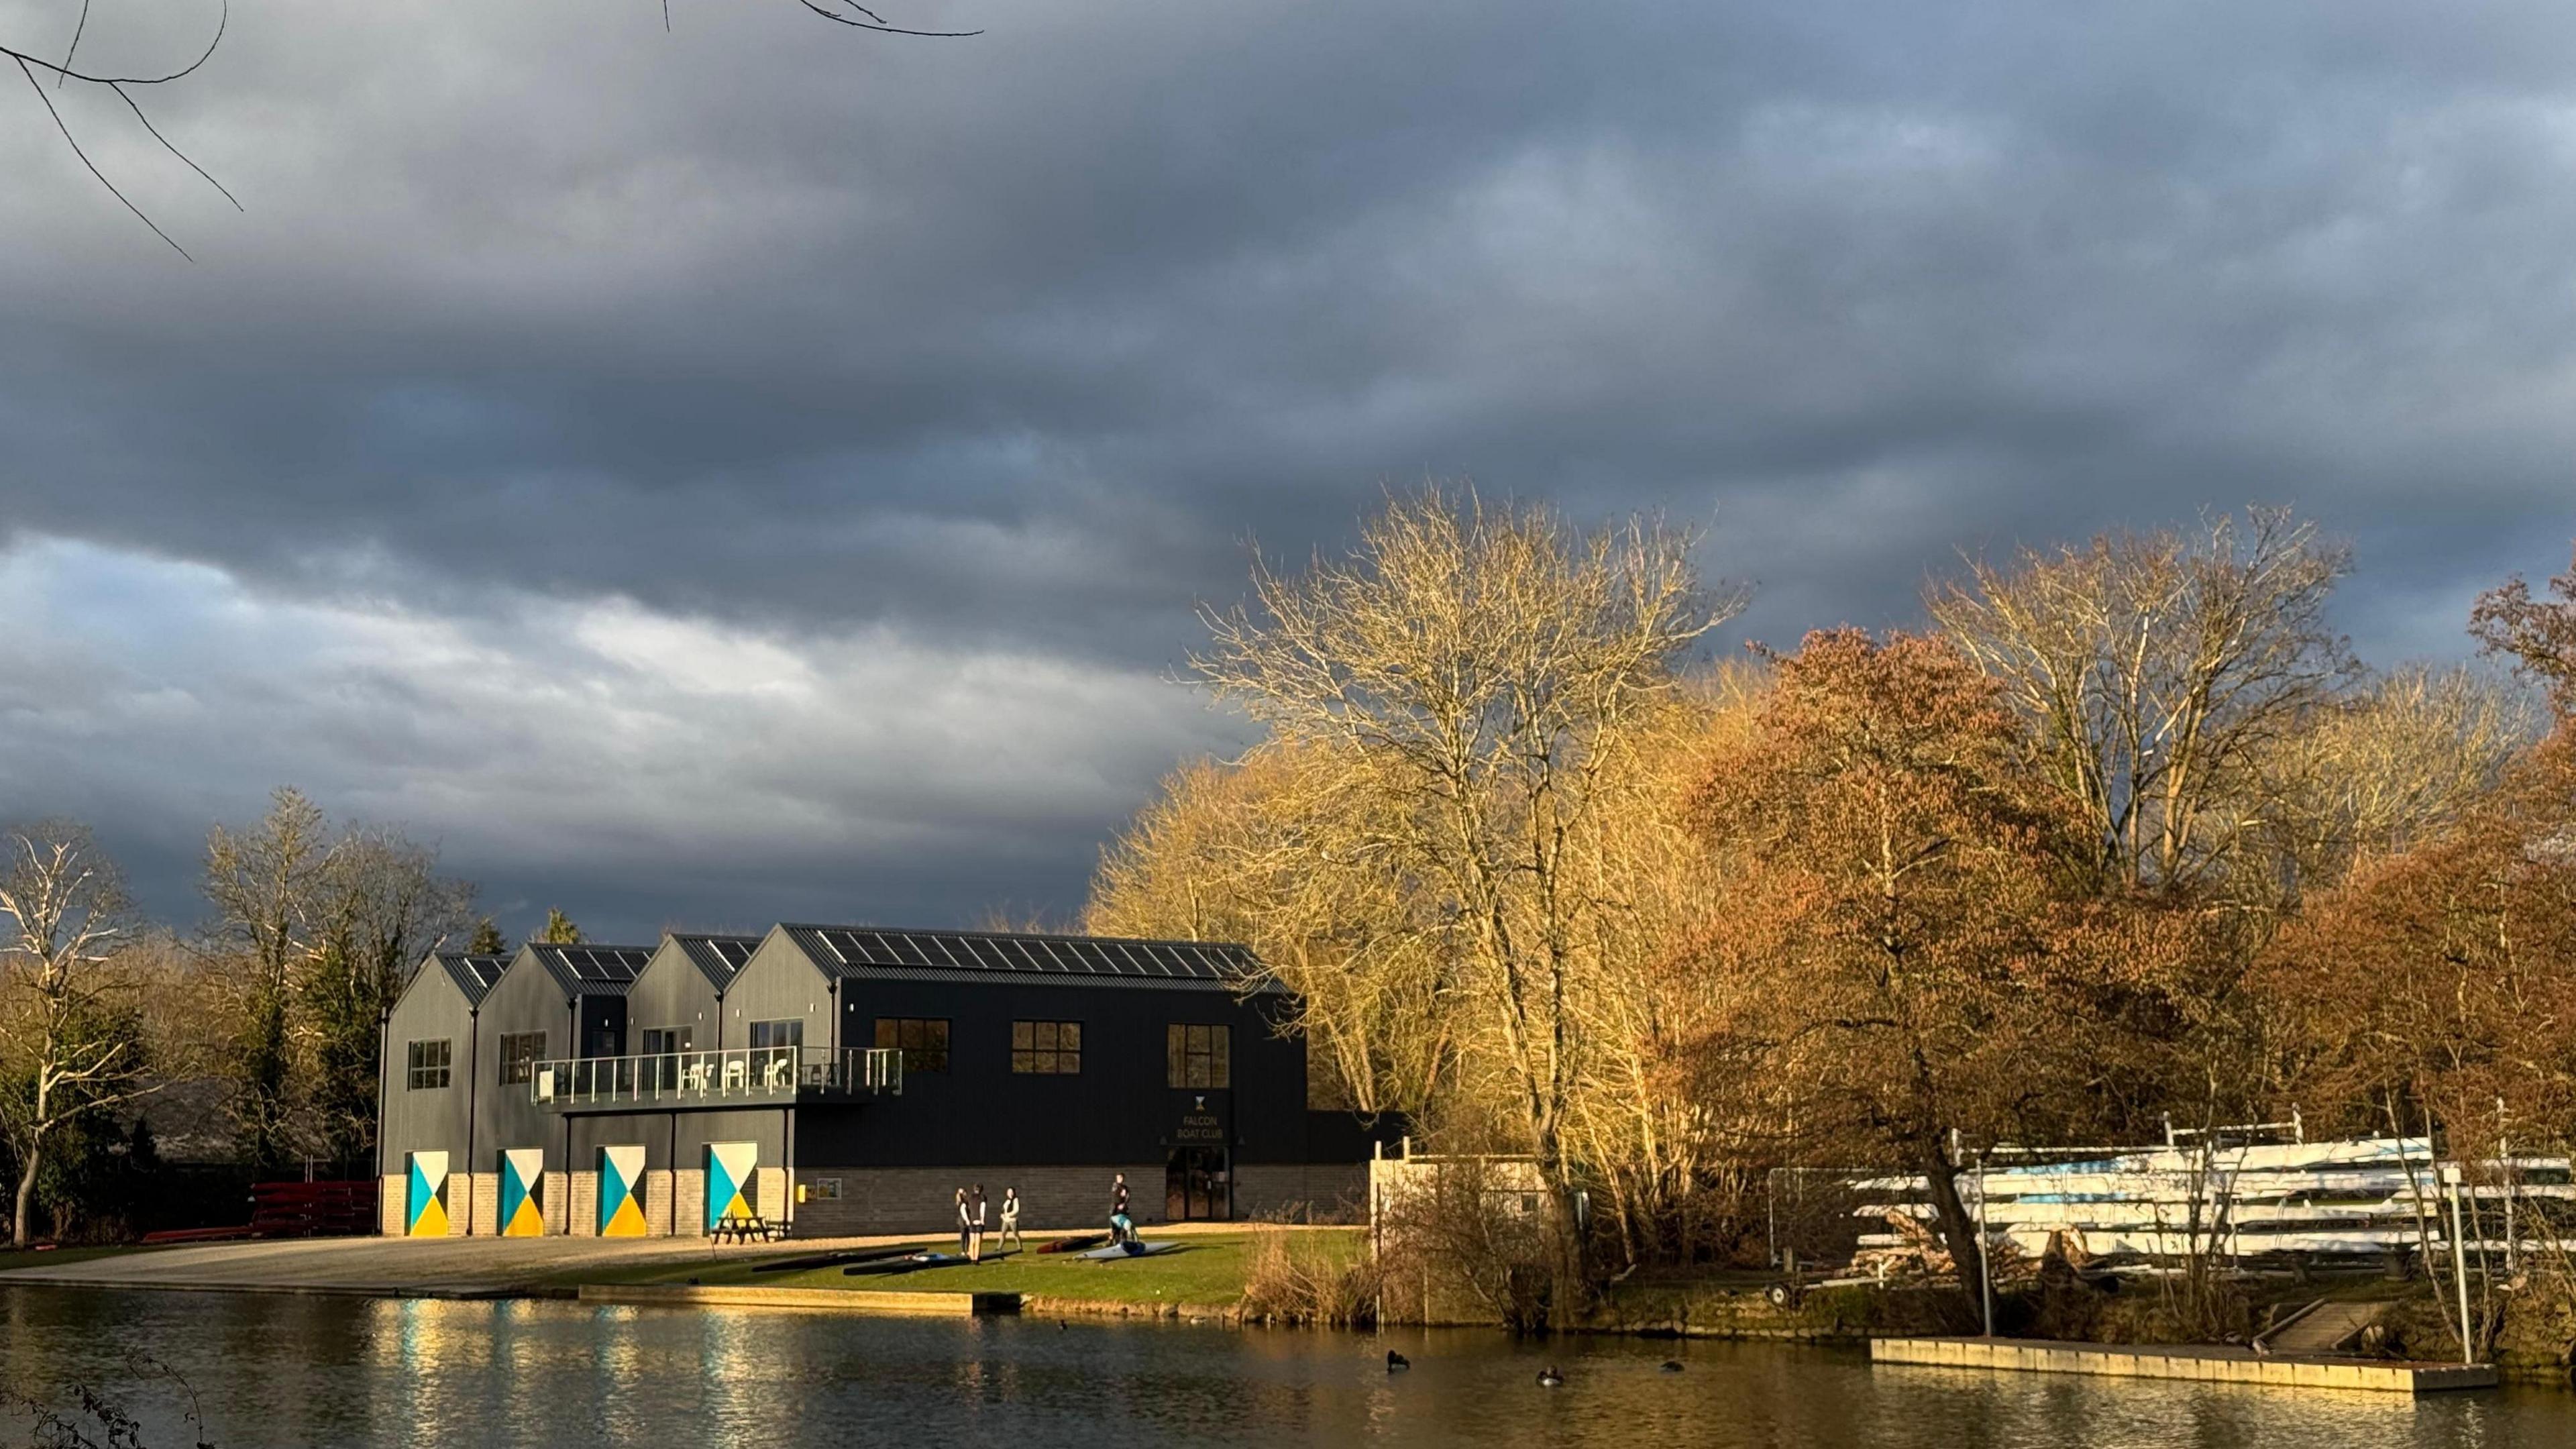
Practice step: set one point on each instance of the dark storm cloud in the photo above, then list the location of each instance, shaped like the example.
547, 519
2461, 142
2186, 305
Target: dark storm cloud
999, 350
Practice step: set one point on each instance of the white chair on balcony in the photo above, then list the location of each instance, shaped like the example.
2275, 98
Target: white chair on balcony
694, 1076
737, 1074
782, 1070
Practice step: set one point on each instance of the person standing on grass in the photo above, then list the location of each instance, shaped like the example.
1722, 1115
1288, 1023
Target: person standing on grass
1122, 1228
965, 1226
1011, 1219
975, 1225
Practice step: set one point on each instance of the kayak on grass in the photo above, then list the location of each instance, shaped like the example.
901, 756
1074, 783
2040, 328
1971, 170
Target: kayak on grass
1116, 1251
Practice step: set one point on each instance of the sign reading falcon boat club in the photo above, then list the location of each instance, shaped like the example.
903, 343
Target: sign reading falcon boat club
1200, 1126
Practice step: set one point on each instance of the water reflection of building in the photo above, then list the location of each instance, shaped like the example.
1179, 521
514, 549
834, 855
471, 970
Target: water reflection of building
846, 1080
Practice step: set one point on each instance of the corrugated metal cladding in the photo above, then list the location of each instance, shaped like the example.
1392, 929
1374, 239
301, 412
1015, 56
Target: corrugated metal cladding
593, 970
853, 949
719, 958
473, 974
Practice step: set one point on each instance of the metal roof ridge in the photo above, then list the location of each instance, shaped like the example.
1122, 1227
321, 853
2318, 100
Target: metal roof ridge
1011, 935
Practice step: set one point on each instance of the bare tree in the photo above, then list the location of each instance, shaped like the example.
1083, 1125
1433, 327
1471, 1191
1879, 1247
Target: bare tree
1272, 852
66, 1020
1479, 674
2539, 634
2387, 767
2158, 672
263, 883
121, 85
318, 928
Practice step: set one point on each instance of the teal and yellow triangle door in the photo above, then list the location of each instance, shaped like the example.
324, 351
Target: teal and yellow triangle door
425, 1195
523, 1176
731, 1169
621, 1191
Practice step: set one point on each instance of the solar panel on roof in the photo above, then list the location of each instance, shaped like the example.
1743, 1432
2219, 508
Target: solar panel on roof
983, 951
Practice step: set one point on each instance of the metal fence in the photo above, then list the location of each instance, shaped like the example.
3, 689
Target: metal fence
745, 1073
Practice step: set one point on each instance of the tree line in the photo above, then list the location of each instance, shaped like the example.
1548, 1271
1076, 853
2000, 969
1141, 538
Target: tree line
2124, 837
257, 1034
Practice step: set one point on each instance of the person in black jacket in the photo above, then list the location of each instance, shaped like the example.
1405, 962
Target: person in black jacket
1122, 1228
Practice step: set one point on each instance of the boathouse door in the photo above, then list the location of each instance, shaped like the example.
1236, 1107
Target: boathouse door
1197, 1186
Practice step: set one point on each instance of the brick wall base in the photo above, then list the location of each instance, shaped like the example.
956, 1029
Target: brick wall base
689, 1202
461, 1199
389, 1205
584, 1205
657, 1204
923, 1199
485, 1220
1302, 1192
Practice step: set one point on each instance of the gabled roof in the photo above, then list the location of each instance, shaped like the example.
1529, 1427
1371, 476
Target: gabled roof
719, 957
473, 974
854, 951
592, 970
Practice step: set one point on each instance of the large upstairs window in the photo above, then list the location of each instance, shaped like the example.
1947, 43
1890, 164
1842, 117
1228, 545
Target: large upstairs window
1196, 1056
425, 1064
1046, 1048
922, 1039
520, 1052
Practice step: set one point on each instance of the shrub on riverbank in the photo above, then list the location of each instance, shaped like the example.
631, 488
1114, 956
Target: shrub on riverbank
1310, 1278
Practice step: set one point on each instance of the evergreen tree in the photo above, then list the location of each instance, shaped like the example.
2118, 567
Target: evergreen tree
559, 931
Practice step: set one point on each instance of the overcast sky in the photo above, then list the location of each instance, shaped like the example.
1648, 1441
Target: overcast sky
765, 470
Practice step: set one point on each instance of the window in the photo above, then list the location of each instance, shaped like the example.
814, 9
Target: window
425, 1064
1196, 1055
663, 1041
924, 1040
520, 1053
787, 1033
1047, 1048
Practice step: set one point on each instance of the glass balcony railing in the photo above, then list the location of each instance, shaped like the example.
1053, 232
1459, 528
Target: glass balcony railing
742, 1074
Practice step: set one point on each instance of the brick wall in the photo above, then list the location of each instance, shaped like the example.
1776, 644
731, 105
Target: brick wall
689, 1202
485, 1195
584, 1204
923, 1199
557, 1203
389, 1205
657, 1203
1307, 1193
460, 1204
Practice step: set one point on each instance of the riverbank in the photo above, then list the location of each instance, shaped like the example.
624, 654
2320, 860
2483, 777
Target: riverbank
1203, 1281
1203, 1277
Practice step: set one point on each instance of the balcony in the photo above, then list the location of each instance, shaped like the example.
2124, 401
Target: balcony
764, 1075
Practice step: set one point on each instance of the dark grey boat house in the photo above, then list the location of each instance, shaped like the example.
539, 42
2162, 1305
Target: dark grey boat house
848, 1079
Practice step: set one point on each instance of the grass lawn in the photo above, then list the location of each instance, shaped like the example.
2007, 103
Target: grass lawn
55, 1257
1209, 1269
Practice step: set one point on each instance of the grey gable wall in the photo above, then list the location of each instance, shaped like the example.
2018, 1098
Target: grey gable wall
674, 992
779, 982
433, 1119
526, 998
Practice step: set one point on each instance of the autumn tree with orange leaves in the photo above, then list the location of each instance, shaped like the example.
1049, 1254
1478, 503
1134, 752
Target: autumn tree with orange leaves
1908, 949
2441, 983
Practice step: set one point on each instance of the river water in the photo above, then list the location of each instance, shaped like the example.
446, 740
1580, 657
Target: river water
280, 1370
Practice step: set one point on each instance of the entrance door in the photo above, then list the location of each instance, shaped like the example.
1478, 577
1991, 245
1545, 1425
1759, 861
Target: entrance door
1197, 1187
523, 1177
425, 1195
621, 1192
732, 1169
